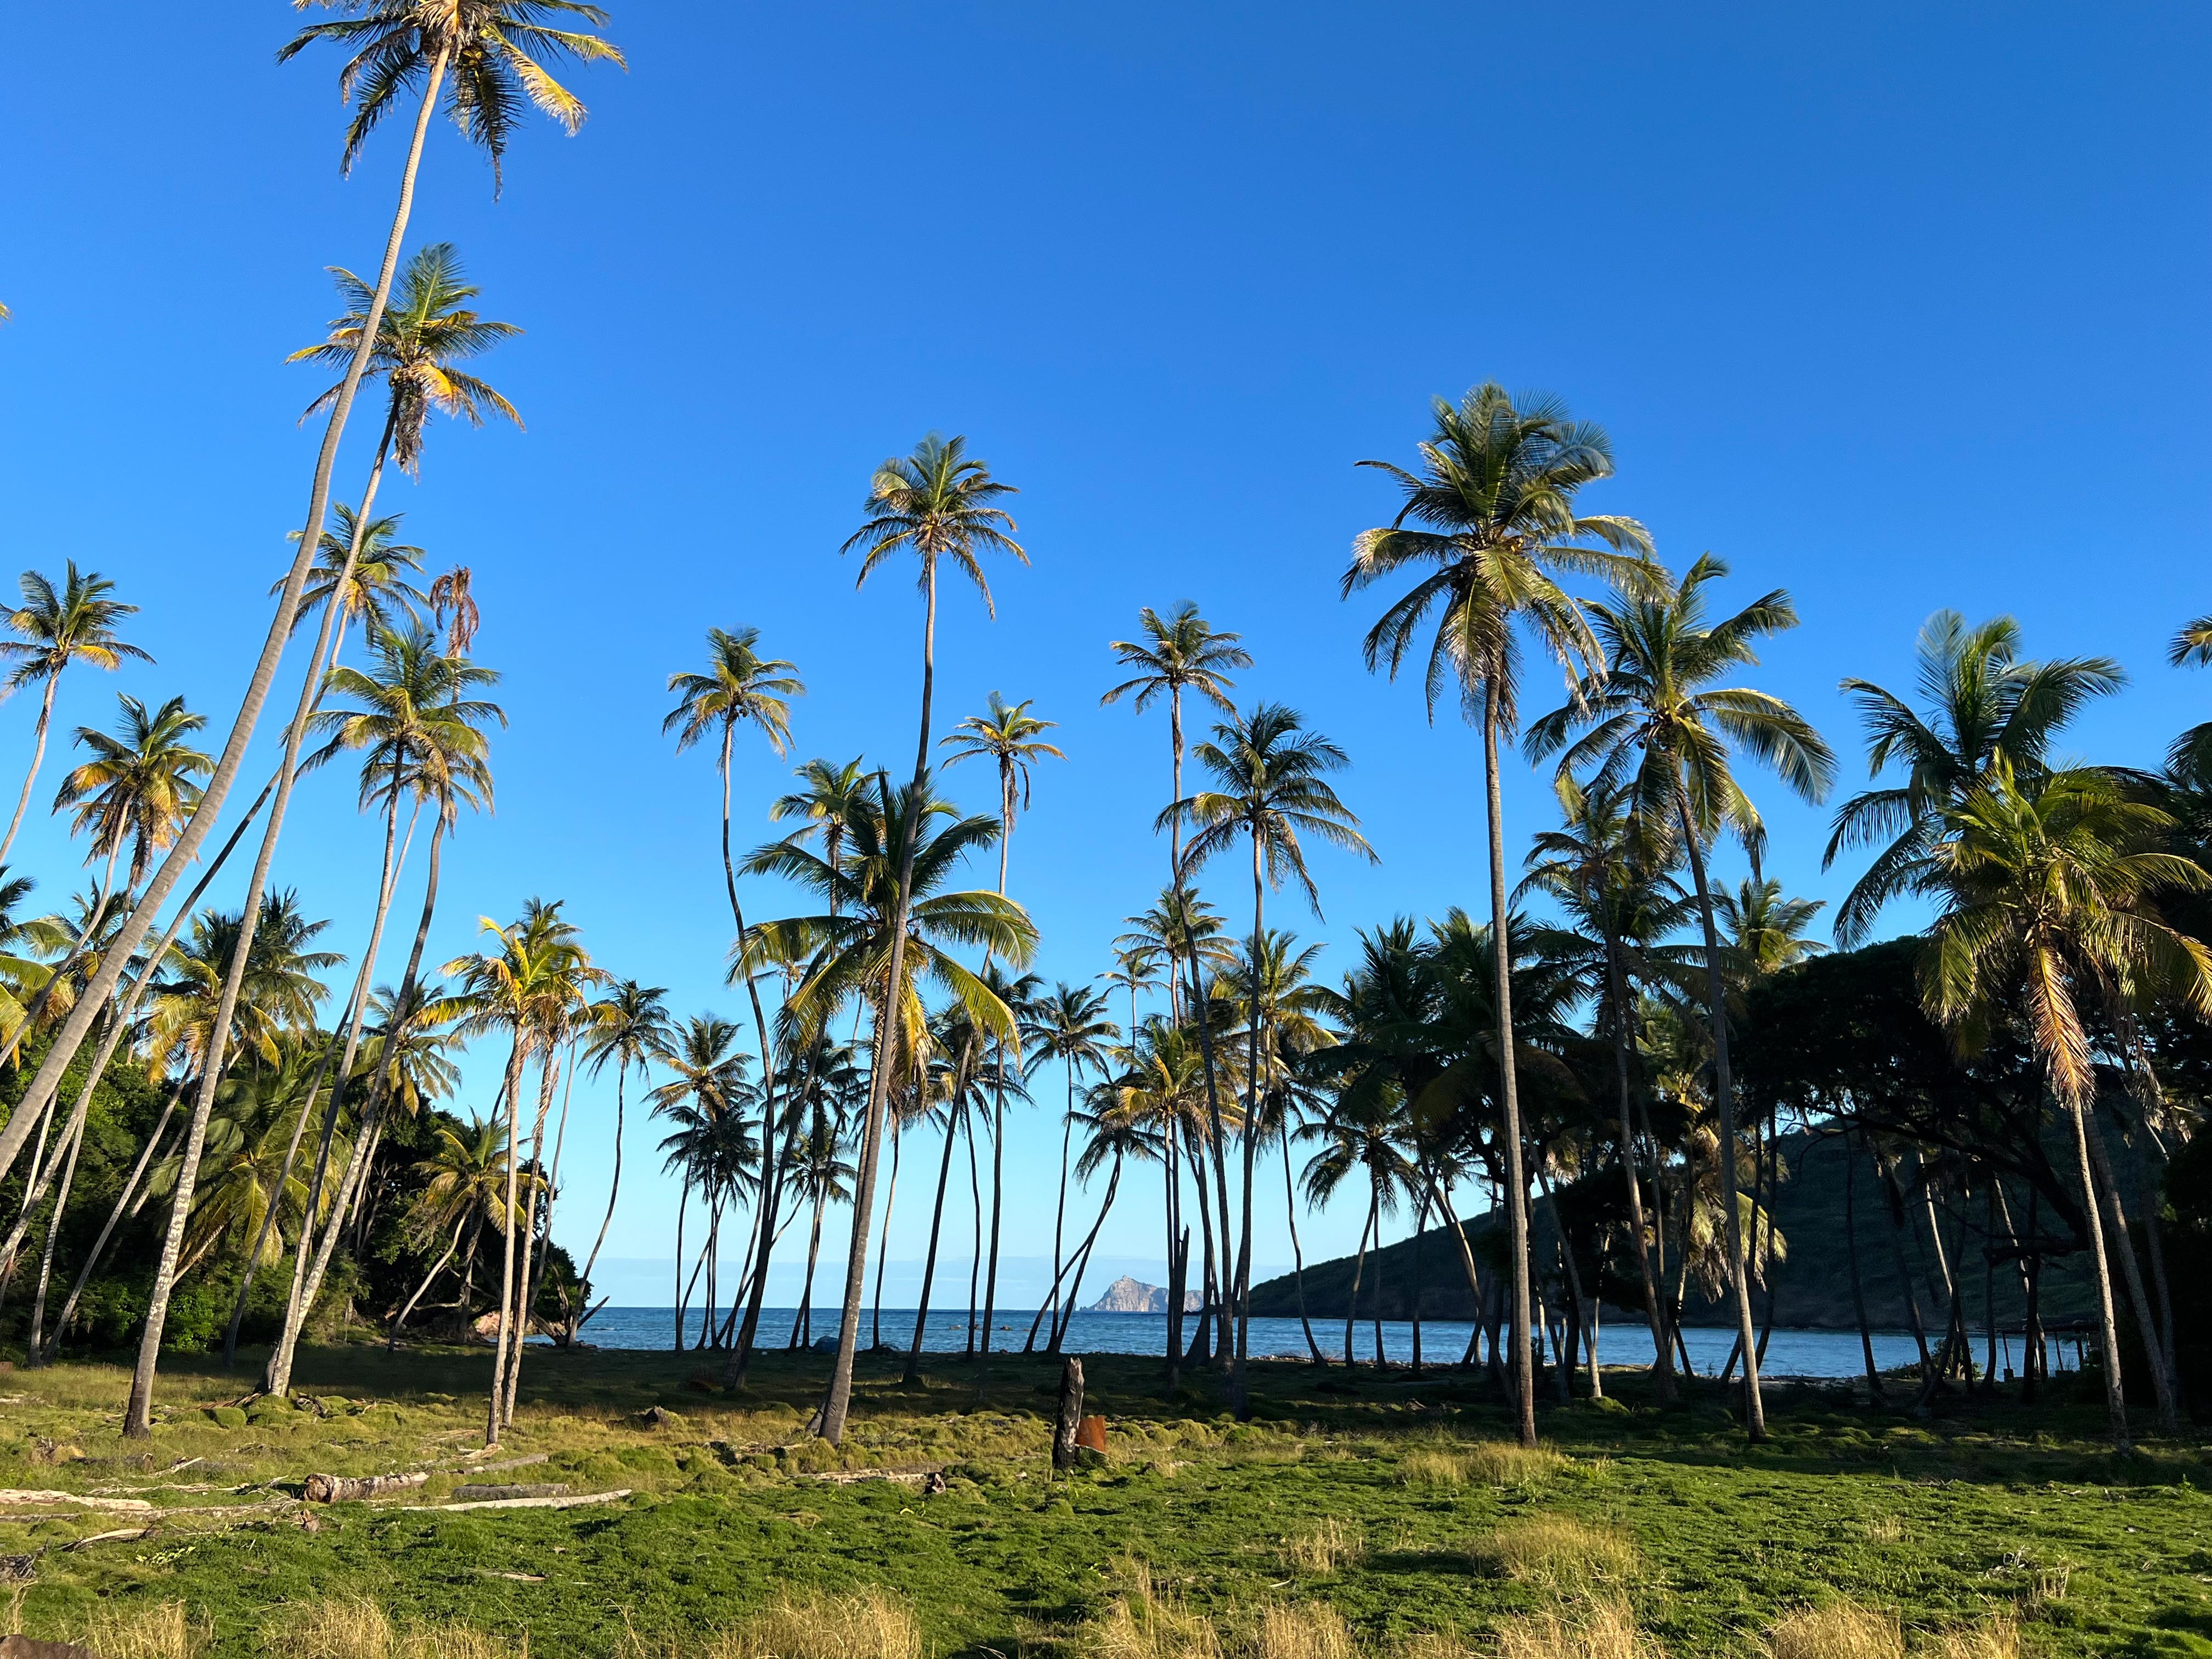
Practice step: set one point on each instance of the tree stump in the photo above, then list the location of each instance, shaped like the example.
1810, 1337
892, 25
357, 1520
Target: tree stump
1070, 1420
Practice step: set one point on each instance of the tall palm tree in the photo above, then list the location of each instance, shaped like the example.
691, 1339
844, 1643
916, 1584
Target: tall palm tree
706, 1097
453, 603
1072, 1027
1605, 868
1766, 927
419, 732
1657, 725
630, 1026
54, 630
362, 566
821, 1176
1492, 507
1180, 652
1274, 787
464, 1187
523, 988
1358, 1138
397, 45
740, 685
939, 503
1114, 1121
1979, 700
829, 796
1012, 739
2050, 889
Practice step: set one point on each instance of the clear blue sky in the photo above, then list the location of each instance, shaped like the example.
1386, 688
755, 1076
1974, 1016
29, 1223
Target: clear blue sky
1899, 307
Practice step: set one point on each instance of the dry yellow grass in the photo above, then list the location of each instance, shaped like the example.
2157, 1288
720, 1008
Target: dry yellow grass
1837, 1630
354, 1627
1309, 1630
1479, 1462
164, 1630
1553, 1549
1326, 1547
1144, 1622
1999, 1638
872, 1623
1607, 1632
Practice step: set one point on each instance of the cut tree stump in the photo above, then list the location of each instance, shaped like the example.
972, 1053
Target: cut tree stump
344, 1489
1069, 1421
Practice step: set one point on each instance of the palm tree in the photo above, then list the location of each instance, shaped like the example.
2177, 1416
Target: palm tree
629, 1026
496, 50
822, 1177
1181, 651
705, 1099
1979, 701
418, 731
740, 684
1070, 1027
1274, 783
75, 625
1355, 1141
454, 591
1604, 867
2050, 885
362, 565
937, 503
524, 988
1011, 739
1658, 727
464, 1187
1766, 927
1114, 1122
1495, 494
830, 796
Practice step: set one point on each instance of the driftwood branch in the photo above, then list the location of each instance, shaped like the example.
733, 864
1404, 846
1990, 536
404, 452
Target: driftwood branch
570, 1502
344, 1489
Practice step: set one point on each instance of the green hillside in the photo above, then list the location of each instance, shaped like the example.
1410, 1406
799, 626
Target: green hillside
1813, 1287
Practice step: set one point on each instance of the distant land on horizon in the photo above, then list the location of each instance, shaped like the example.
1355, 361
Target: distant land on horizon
1128, 1295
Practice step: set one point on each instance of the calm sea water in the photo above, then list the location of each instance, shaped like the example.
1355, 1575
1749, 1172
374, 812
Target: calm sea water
1806, 1353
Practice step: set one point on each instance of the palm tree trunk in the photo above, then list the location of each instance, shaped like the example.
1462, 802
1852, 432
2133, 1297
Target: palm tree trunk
1517, 1189
185, 850
1754, 1408
1663, 1359
1083, 1262
1896, 1207
37, 758
830, 1419
115, 1216
682, 1205
1216, 1140
399, 1323
495, 1420
33, 1343
890, 1198
976, 1256
771, 1189
1298, 1255
813, 1255
997, 1207
936, 1227
1059, 1206
614, 1190
1201, 1342
553, 1180
1240, 1287
2115, 1221
1852, 1254
1358, 1270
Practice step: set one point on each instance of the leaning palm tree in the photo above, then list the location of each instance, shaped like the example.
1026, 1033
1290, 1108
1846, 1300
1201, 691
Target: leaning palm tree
1492, 507
2050, 887
54, 630
939, 504
1071, 1026
494, 50
630, 1026
1980, 700
464, 1187
412, 721
1012, 739
1659, 727
1274, 788
740, 685
1180, 652
363, 566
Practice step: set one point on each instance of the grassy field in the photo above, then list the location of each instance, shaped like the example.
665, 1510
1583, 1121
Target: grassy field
1378, 1515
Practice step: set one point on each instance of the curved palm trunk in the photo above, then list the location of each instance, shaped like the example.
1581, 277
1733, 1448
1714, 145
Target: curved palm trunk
552, 1191
614, 1191
2108, 1331
813, 1255
38, 759
837, 1402
280, 1360
1754, 1408
138, 1419
453, 1250
1083, 1262
1216, 1156
1662, 1360
682, 1205
549, 1078
115, 1216
2116, 1222
1858, 1290
771, 1187
34, 1342
1522, 1368
975, 1257
1240, 1289
1060, 1215
1358, 1271
891, 1200
1297, 1253
913, 1374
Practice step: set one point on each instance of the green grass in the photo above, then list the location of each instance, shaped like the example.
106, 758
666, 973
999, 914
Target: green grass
1943, 1522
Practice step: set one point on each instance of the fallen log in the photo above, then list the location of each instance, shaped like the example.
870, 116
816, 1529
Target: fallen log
569, 1503
486, 1492
120, 1505
344, 1489
505, 1463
